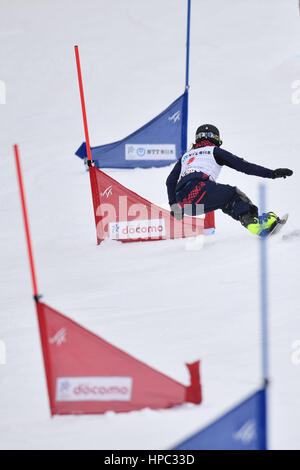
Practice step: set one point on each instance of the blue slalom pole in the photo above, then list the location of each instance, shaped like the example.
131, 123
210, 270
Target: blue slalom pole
264, 292
188, 45
264, 309
187, 68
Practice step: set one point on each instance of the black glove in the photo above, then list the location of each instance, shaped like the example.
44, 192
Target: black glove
282, 173
176, 211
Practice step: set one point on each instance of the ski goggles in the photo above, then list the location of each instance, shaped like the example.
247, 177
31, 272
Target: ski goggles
205, 135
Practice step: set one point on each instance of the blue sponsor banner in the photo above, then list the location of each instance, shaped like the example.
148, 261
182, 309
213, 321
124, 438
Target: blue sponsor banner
158, 143
242, 428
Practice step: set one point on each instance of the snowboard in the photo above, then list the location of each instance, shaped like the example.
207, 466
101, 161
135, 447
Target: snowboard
278, 225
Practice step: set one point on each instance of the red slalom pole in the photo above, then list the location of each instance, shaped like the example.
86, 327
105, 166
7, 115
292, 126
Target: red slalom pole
26, 224
86, 131
85, 124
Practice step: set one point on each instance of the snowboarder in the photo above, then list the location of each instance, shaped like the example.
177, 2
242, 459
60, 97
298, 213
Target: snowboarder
193, 181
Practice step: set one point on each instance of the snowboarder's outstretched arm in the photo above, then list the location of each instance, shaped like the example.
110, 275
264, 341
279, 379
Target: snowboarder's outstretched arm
223, 157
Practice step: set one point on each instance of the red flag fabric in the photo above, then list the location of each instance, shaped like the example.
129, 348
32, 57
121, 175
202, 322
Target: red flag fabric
86, 374
123, 215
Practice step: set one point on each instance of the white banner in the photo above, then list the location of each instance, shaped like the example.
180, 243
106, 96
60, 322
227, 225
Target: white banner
150, 152
134, 229
93, 388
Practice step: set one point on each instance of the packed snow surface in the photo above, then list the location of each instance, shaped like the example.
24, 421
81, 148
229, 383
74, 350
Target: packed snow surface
159, 302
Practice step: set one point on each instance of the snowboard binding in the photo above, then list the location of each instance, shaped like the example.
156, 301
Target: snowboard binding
263, 225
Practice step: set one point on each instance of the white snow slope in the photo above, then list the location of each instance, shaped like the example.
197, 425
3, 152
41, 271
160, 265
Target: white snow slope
157, 301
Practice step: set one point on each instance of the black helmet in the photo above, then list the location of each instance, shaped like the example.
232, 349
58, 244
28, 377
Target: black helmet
208, 132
